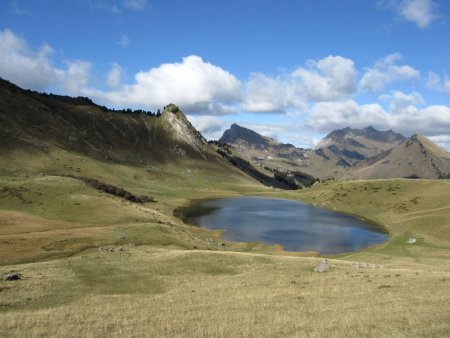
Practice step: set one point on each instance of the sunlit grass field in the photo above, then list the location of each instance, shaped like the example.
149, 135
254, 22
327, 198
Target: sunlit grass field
169, 281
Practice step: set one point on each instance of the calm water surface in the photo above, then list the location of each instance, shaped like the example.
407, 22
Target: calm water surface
294, 225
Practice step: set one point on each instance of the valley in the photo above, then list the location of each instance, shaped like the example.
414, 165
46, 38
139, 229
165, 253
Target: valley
92, 263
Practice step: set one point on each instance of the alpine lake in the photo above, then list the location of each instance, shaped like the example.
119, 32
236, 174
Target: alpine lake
294, 225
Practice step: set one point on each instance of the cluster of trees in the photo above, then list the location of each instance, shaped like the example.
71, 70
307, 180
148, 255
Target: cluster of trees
293, 179
80, 100
223, 146
136, 111
281, 179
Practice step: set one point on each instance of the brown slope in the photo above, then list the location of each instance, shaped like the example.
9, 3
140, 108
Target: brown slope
416, 157
37, 122
349, 146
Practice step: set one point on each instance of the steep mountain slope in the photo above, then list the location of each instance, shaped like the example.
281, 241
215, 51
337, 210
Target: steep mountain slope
336, 152
40, 123
353, 145
245, 139
416, 157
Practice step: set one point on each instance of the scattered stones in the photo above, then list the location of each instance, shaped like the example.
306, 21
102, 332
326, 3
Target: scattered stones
323, 266
110, 248
361, 265
12, 276
412, 240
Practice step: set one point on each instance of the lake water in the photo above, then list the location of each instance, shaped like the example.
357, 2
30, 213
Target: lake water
294, 225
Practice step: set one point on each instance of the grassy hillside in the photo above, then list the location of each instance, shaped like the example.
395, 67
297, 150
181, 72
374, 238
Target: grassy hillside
155, 287
416, 157
94, 264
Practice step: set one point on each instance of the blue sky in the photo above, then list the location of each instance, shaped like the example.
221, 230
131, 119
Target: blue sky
294, 70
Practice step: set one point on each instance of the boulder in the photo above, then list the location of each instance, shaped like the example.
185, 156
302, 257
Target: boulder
323, 266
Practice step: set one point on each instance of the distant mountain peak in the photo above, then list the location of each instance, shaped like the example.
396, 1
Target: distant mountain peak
238, 135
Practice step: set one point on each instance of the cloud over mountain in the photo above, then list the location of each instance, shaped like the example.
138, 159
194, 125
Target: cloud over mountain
385, 71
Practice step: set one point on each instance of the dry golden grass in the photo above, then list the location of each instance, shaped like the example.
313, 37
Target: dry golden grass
157, 288
151, 292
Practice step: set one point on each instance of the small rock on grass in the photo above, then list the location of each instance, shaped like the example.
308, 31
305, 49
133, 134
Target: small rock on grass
323, 266
412, 240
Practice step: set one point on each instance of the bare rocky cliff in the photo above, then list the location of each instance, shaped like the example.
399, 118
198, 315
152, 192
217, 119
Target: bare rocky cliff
182, 130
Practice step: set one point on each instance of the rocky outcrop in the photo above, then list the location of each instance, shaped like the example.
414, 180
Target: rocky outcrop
182, 129
323, 266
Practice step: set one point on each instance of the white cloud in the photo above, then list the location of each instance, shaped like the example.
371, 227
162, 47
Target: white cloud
124, 41
23, 66
442, 140
114, 78
76, 78
400, 102
421, 12
271, 95
193, 84
328, 79
327, 116
405, 118
386, 71
211, 127
438, 83
30, 69
136, 5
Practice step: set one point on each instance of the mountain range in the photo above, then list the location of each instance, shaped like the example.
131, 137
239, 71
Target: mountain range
347, 154
43, 123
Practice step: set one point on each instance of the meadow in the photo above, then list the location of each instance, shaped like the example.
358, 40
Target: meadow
168, 280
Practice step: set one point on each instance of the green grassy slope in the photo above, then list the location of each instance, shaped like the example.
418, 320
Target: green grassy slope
168, 280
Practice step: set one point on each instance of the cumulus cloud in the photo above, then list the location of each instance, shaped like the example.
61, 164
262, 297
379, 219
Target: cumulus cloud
76, 77
421, 12
386, 71
195, 85
30, 69
211, 127
438, 83
328, 79
23, 66
403, 116
114, 78
327, 116
442, 140
265, 94
400, 102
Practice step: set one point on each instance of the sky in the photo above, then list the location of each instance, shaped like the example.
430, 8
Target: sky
294, 70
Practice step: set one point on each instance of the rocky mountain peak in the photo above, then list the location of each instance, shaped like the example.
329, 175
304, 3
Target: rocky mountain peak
182, 129
238, 135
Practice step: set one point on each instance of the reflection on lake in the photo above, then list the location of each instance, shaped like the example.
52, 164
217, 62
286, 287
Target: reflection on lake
294, 225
